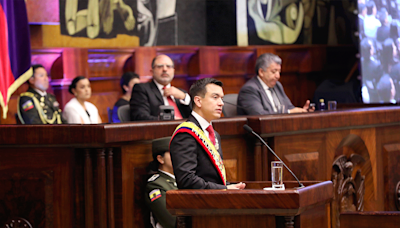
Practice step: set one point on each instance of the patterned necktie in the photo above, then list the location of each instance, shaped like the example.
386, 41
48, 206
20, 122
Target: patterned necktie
274, 98
172, 103
211, 133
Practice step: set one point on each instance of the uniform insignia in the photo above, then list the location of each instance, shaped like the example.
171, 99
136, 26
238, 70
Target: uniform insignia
56, 104
153, 178
27, 106
155, 194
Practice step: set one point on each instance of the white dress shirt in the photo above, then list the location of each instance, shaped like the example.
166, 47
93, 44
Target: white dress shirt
203, 123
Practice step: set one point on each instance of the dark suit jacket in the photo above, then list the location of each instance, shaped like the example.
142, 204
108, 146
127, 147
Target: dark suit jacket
193, 168
253, 100
146, 101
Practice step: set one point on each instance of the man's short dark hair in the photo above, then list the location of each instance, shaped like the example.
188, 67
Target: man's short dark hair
265, 60
370, 7
384, 88
34, 67
126, 78
199, 87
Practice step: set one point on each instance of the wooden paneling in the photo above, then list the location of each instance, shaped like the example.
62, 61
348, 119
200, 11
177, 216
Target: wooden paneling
303, 67
40, 182
391, 166
308, 143
370, 219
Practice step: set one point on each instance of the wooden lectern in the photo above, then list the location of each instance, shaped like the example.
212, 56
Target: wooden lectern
253, 206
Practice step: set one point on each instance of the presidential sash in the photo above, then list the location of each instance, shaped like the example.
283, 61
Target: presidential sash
204, 141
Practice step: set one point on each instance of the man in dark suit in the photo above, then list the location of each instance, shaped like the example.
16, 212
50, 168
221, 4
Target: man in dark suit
195, 147
147, 98
264, 94
36, 106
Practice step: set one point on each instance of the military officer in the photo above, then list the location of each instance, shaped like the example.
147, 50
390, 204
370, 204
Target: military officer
159, 183
36, 106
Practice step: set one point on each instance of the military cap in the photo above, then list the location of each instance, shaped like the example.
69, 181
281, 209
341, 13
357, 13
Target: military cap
160, 146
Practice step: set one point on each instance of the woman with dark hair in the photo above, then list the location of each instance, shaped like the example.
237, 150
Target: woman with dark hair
128, 80
78, 110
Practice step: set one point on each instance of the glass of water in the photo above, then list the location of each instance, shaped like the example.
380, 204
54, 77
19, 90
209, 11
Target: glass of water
277, 174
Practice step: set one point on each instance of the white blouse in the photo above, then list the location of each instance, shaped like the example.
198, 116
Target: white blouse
74, 113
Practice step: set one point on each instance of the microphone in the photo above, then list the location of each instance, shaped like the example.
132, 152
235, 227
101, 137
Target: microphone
249, 129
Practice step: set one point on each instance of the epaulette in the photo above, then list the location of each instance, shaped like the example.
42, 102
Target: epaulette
27, 94
153, 178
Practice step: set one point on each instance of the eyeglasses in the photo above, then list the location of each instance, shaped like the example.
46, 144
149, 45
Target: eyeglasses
161, 66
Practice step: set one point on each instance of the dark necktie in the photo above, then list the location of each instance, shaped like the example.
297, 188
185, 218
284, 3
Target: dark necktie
172, 103
275, 98
211, 133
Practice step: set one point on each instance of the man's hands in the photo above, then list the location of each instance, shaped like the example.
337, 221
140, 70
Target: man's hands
306, 108
175, 92
237, 186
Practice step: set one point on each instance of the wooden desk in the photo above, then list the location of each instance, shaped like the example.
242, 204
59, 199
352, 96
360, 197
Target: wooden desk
91, 175
253, 206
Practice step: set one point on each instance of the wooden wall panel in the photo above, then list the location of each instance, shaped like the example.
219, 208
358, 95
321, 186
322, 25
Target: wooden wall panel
391, 179
46, 179
135, 157
301, 152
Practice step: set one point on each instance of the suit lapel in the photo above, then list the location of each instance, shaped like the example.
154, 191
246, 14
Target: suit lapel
264, 96
156, 91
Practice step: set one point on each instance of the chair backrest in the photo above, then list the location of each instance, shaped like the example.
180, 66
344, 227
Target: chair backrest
230, 102
109, 112
124, 113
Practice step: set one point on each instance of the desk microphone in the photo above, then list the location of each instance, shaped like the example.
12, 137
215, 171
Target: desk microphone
249, 129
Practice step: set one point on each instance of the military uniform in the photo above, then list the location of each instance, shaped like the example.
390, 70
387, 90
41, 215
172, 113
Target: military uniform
34, 108
156, 188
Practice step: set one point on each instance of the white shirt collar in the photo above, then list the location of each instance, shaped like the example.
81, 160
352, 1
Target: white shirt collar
160, 87
265, 87
203, 122
166, 173
40, 92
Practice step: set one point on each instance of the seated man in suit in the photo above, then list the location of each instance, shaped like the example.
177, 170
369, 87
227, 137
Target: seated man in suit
264, 94
147, 98
36, 106
159, 183
195, 147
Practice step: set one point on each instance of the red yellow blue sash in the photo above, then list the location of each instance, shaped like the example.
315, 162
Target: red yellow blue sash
204, 141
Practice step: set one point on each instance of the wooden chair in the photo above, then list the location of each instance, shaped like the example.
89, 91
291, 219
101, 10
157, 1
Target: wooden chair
370, 219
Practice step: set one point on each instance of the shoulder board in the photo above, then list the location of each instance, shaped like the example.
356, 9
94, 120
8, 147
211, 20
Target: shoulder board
27, 94
153, 178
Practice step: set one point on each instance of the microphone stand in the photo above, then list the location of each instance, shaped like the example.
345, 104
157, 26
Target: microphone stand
249, 129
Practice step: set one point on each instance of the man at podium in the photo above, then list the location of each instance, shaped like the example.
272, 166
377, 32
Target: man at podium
195, 147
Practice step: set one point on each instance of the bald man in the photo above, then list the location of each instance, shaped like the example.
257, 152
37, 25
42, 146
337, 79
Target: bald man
147, 98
